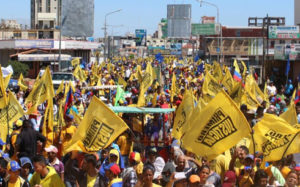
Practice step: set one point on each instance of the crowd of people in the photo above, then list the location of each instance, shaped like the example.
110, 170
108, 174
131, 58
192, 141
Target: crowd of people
145, 155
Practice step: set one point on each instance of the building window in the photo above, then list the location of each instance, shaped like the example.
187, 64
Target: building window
48, 7
40, 6
17, 34
51, 24
282, 42
32, 35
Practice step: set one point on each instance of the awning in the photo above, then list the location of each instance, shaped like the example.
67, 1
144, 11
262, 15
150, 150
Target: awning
43, 57
140, 110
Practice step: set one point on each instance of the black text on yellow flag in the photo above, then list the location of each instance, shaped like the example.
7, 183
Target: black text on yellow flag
217, 128
12, 112
99, 127
276, 138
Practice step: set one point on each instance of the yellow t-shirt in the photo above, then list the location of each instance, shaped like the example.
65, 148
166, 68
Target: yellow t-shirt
124, 145
16, 184
155, 185
91, 181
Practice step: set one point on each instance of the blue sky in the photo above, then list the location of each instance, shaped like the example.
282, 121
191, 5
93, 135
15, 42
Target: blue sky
146, 14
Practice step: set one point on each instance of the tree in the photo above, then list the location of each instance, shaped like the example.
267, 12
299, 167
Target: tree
19, 68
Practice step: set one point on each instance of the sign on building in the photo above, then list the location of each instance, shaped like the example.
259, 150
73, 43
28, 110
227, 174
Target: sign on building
141, 35
30, 44
205, 29
285, 51
284, 32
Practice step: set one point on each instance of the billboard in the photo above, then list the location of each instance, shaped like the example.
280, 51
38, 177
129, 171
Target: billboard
78, 18
284, 32
29, 44
285, 51
204, 29
179, 20
141, 35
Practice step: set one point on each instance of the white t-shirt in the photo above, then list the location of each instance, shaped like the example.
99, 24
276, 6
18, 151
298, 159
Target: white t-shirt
272, 90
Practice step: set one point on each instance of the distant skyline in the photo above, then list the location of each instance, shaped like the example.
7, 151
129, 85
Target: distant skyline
146, 14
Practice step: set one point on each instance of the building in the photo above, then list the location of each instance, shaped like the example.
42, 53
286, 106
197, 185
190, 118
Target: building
296, 12
9, 24
38, 53
163, 29
28, 34
45, 14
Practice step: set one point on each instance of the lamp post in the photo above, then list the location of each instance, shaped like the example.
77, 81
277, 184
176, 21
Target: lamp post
105, 31
220, 40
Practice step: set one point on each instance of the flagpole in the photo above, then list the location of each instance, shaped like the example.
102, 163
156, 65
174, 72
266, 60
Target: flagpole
253, 142
290, 144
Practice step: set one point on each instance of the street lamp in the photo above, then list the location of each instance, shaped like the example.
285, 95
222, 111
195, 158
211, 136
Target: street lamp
105, 31
220, 40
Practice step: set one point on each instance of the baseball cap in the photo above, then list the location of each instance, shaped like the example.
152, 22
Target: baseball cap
19, 123
153, 150
194, 178
229, 178
250, 156
51, 148
25, 160
297, 167
13, 166
114, 168
135, 156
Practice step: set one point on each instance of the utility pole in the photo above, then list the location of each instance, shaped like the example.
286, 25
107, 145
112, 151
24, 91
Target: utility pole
220, 39
105, 31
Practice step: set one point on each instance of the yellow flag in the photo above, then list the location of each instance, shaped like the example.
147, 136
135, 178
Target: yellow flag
237, 93
217, 128
12, 112
252, 87
60, 89
227, 81
249, 99
77, 117
42, 90
75, 62
244, 69
147, 77
48, 118
98, 129
217, 72
79, 74
182, 115
207, 68
60, 119
236, 66
275, 138
291, 116
21, 83
211, 85
174, 87
3, 98
266, 95
6, 80
121, 81
139, 73
99, 83
141, 99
